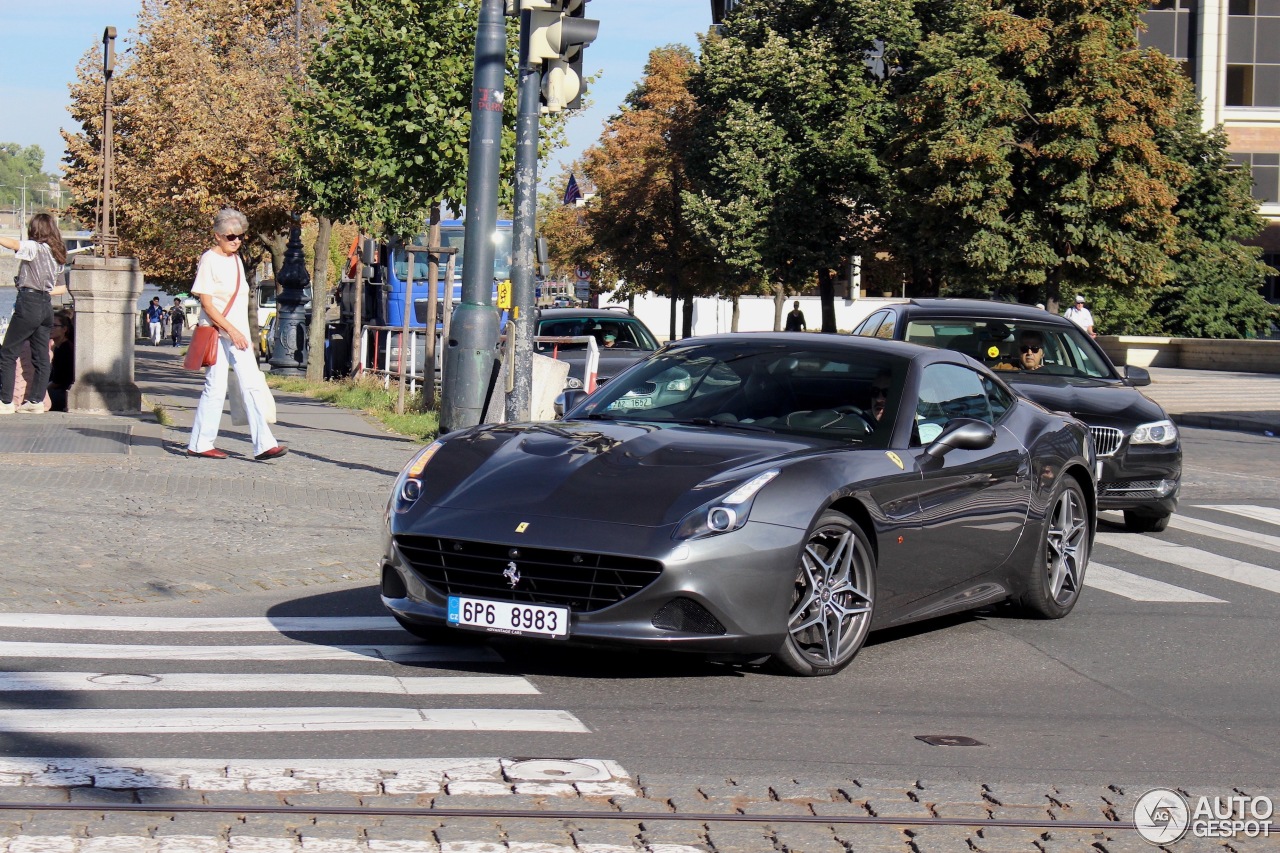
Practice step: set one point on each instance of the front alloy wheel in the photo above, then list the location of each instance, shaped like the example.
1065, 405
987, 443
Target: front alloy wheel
833, 599
1055, 585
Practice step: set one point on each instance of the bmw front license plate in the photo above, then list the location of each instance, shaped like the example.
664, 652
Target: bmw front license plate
508, 617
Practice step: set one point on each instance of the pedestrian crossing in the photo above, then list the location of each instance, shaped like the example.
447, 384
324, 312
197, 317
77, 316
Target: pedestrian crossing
1157, 552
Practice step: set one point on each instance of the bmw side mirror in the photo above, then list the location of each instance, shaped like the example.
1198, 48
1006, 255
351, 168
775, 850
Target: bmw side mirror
962, 434
1137, 376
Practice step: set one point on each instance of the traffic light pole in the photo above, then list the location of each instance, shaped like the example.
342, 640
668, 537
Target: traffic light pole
469, 351
523, 324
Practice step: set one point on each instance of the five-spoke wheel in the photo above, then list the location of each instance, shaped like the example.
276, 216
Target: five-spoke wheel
833, 599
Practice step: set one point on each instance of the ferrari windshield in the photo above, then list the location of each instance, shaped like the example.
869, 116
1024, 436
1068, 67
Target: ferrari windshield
1028, 347
839, 393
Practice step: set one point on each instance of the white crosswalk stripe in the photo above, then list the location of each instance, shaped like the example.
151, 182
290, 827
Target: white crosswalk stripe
1257, 513
1195, 559
1138, 588
232, 715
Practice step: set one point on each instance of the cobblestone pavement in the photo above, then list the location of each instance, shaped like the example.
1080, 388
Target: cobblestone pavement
274, 807
119, 514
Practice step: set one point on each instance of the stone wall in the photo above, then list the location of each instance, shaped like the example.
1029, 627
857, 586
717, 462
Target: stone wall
1193, 353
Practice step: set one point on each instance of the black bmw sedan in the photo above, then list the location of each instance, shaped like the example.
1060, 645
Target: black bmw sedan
754, 497
1052, 361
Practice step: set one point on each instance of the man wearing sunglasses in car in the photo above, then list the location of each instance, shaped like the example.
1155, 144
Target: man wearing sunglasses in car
1030, 350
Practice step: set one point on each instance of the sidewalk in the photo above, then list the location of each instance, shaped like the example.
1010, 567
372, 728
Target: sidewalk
109, 509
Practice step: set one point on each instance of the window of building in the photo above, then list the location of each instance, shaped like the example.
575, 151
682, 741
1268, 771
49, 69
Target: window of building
1265, 169
1253, 53
1170, 28
1271, 284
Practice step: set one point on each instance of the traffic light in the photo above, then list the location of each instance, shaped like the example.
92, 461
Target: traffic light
558, 30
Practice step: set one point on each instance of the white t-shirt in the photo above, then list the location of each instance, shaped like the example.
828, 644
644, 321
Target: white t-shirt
217, 276
1080, 316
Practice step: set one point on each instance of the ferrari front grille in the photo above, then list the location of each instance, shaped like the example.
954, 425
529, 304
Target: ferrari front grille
1106, 439
579, 580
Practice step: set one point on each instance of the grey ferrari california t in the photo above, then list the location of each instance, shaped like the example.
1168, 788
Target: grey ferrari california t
750, 497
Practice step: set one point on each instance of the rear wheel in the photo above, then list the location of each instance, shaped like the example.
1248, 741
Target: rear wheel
832, 601
1058, 574
1139, 523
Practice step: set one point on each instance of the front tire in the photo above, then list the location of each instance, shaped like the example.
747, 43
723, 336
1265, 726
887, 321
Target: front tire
1058, 575
1139, 523
833, 599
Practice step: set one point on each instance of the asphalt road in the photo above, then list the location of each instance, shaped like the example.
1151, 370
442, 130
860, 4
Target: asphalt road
1123, 690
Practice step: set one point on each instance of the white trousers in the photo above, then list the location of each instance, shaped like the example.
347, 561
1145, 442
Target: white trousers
204, 432
156, 334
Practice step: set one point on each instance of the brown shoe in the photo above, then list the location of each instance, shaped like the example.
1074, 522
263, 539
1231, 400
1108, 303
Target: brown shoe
274, 453
211, 453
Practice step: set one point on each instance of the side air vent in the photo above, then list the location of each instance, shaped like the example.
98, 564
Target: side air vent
686, 616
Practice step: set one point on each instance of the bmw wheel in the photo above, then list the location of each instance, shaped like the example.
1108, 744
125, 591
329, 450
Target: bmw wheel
1058, 575
833, 599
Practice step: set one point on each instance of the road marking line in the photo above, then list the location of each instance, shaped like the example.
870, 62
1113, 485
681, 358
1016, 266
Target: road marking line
220, 624
186, 682
1211, 529
155, 721
1194, 559
1257, 513
1138, 588
398, 654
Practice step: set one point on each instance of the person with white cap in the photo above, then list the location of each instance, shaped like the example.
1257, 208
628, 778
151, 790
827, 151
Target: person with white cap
1081, 316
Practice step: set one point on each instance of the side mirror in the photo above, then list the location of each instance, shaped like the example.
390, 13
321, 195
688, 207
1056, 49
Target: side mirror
568, 400
1137, 376
962, 434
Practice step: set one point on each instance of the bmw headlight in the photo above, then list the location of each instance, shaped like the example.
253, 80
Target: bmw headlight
408, 486
1159, 432
726, 513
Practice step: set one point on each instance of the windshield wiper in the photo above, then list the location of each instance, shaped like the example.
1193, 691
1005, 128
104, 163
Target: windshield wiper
725, 424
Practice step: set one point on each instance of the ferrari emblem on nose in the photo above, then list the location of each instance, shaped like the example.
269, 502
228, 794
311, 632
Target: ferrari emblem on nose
522, 527
512, 574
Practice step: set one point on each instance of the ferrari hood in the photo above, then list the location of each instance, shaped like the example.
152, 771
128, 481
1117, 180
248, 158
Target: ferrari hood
643, 473
1096, 402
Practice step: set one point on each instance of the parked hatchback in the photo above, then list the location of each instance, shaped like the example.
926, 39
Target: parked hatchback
1050, 360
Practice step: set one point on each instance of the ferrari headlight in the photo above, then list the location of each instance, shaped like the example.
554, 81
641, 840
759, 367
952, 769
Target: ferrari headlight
408, 486
726, 513
1159, 432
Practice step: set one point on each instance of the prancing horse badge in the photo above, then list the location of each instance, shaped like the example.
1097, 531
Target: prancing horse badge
512, 574
522, 527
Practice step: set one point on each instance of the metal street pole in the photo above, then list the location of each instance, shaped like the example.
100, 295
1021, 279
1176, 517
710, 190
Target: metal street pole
468, 352
523, 312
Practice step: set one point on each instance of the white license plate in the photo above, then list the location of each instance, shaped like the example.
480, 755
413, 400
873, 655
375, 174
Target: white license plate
508, 617
633, 402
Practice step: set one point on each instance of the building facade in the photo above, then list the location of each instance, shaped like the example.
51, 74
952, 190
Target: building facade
1231, 50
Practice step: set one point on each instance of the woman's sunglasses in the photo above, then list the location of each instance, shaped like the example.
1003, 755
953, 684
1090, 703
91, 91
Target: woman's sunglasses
230, 237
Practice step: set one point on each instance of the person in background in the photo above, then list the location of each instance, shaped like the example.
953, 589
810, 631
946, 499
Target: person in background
795, 320
224, 304
176, 321
41, 255
1081, 316
610, 340
155, 321
63, 372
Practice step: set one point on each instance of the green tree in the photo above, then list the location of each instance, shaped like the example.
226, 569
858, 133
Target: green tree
382, 121
1028, 153
1214, 290
24, 168
637, 217
787, 178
